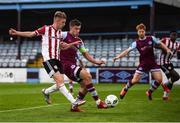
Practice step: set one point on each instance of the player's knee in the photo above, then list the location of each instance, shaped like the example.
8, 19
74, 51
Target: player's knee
88, 76
58, 79
85, 75
159, 80
134, 81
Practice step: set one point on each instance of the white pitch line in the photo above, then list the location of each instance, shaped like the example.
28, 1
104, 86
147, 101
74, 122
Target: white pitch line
29, 108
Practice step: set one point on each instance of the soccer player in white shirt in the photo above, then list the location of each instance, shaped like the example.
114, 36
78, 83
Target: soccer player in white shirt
51, 43
166, 64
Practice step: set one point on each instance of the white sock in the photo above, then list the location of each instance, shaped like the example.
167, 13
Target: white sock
98, 101
165, 94
51, 89
66, 93
70, 86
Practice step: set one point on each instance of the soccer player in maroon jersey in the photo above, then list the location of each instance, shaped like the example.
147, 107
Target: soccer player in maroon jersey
50, 52
165, 62
75, 72
71, 84
144, 45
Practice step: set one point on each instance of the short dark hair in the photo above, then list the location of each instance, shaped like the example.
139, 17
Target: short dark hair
60, 14
74, 22
173, 31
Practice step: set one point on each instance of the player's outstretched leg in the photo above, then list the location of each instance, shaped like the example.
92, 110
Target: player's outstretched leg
166, 91
87, 80
91, 89
165, 85
173, 77
46, 96
125, 89
82, 92
158, 79
130, 83
79, 101
46, 93
75, 108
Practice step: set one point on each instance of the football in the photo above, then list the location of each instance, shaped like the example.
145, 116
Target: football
111, 100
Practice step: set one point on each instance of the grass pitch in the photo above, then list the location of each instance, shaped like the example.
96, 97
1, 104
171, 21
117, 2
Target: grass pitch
25, 103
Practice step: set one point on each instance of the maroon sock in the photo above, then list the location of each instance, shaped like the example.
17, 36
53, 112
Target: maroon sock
154, 86
80, 96
91, 89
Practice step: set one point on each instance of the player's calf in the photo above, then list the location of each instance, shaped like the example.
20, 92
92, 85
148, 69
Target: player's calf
125, 89
166, 91
165, 87
123, 93
153, 87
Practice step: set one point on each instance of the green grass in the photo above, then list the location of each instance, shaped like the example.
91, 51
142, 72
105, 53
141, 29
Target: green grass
28, 101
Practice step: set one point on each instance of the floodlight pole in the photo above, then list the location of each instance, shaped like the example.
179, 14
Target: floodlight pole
19, 28
152, 17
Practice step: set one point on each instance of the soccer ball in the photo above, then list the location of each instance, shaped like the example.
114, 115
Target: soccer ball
111, 100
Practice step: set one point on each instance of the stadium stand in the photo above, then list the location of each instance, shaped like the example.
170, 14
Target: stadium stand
98, 48
29, 51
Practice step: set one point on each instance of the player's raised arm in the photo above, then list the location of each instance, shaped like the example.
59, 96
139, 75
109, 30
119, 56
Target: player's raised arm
89, 57
161, 45
65, 46
29, 34
125, 52
14, 32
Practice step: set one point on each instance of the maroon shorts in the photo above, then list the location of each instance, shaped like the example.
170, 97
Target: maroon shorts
142, 68
72, 71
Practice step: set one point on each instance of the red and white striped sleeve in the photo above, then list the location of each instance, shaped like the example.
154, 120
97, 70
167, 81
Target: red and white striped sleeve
40, 31
178, 49
163, 40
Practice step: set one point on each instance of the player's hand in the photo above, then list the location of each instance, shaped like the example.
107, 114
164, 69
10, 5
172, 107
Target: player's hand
115, 58
169, 52
100, 62
75, 43
64, 46
12, 31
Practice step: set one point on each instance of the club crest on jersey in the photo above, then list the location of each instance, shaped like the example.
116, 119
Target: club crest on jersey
150, 42
55, 67
169, 67
73, 66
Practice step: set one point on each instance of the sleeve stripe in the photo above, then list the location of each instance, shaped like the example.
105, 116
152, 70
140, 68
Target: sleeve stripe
36, 32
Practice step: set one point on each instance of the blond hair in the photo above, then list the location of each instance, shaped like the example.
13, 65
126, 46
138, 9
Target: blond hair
140, 26
59, 14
